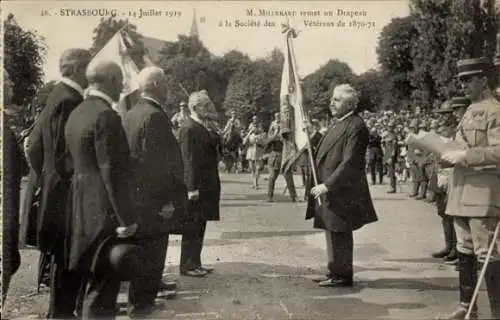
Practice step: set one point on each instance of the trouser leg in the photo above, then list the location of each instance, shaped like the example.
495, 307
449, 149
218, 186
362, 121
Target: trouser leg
380, 170
290, 184
199, 243
273, 175
64, 289
340, 254
373, 171
143, 290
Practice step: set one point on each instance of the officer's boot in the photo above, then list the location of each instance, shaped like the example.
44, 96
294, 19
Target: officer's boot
467, 276
493, 285
451, 239
447, 237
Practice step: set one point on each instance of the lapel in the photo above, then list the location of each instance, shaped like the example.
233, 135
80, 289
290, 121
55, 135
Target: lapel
331, 137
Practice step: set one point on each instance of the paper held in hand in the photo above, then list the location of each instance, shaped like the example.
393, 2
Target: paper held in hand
433, 143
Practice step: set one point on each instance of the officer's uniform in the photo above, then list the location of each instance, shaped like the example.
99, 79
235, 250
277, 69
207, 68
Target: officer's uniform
474, 192
447, 131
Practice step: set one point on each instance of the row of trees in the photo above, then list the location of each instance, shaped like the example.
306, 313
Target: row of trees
417, 58
418, 53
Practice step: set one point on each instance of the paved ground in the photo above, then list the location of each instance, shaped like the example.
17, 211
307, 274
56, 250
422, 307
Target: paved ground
265, 254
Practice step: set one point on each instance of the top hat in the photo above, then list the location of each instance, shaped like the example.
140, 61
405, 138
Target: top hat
475, 66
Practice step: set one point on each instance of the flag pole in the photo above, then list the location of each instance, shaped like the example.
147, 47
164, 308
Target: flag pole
290, 32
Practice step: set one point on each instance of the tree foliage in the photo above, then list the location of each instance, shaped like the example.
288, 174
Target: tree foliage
394, 54
254, 88
318, 86
23, 59
108, 27
418, 54
370, 84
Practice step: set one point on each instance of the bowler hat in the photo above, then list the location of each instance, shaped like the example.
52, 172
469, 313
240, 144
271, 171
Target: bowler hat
475, 66
121, 257
183, 104
460, 102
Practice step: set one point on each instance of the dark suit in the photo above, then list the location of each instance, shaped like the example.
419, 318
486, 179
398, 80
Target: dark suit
46, 150
14, 167
100, 196
200, 151
340, 161
158, 173
375, 155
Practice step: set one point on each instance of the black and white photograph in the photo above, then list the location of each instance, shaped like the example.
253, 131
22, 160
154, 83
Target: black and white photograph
250, 160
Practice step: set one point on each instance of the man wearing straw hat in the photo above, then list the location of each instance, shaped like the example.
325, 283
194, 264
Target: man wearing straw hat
474, 189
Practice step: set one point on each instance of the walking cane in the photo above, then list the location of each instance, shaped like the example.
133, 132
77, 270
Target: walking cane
483, 270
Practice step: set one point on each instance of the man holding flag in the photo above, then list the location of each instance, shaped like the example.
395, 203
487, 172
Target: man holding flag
340, 202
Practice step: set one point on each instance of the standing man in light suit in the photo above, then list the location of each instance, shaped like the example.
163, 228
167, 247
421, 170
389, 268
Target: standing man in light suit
474, 186
346, 201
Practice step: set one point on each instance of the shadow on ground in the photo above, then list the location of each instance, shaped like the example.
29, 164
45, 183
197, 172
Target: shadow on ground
253, 291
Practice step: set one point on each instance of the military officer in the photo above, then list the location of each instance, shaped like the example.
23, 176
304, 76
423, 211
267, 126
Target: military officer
446, 130
474, 194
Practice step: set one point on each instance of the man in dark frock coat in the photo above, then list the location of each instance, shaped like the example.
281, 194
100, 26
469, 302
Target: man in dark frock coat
14, 167
100, 203
201, 175
159, 183
45, 152
343, 189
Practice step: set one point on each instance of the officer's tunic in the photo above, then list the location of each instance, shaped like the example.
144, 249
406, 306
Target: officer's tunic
474, 187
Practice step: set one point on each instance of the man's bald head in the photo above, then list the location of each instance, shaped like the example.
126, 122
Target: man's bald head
106, 76
150, 77
73, 63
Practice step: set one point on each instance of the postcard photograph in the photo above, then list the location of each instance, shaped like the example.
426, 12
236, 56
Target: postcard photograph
251, 159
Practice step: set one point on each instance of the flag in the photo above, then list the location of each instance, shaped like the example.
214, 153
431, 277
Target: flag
293, 118
116, 50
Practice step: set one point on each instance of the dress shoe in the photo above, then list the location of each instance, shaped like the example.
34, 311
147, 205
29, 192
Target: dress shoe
451, 258
206, 269
167, 286
319, 279
336, 282
441, 253
412, 195
391, 191
196, 273
419, 198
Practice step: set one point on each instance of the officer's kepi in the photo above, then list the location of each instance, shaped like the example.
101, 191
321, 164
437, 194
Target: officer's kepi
460, 102
475, 66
